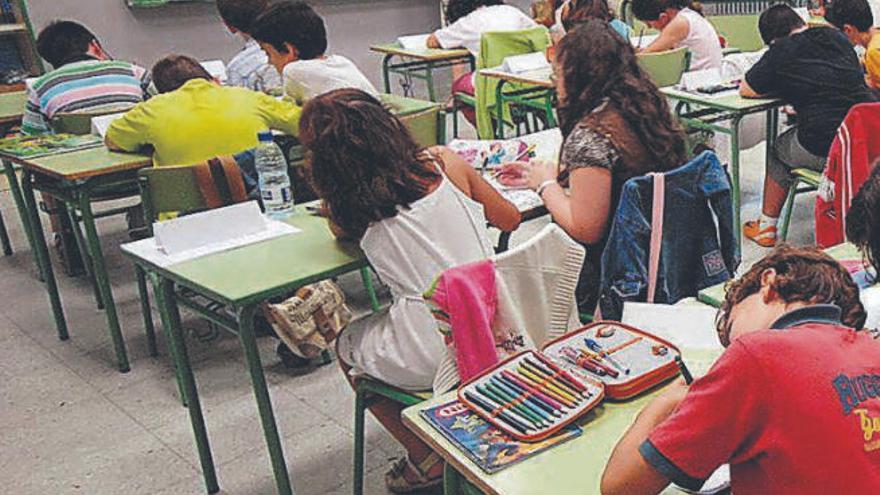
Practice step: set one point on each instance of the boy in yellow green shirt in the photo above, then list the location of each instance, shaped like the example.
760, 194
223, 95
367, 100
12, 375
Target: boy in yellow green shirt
193, 119
855, 19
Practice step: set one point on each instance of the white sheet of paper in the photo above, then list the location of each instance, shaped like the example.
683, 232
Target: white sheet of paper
692, 80
101, 123
217, 69
645, 40
521, 64
414, 42
547, 144
690, 327
210, 227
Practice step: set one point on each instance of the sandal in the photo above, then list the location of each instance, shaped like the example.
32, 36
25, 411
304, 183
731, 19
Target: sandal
396, 481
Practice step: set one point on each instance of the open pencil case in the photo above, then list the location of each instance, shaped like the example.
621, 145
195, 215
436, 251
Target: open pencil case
532, 395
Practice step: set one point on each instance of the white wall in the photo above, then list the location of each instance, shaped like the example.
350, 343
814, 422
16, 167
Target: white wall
145, 35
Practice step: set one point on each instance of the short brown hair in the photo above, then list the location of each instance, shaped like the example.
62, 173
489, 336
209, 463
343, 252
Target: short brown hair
863, 219
174, 71
802, 275
241, 14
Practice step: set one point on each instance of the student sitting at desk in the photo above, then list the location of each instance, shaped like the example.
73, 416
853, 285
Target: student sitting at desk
817, 72
85, 78
294, 37
616, 126
792, 405
250, 67
855, 19
577, 11
468, 20
416, 213
195, 119
680, 26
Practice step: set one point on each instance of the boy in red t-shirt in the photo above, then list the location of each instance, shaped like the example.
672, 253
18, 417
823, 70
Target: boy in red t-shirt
793, 404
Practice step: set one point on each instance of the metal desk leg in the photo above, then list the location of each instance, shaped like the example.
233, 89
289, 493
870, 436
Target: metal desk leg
772, 132
429, 80
264, 403
734, 178
4, 238
499, 110
21, 206
386, 73
177, 345
100, 270
41, 252
144, 296
83, 250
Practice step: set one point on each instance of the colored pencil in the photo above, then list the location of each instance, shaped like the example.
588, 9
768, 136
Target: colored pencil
487, 405
547, 387
553, 369
597, 347
533, 397
556, 405
575, 358
551, 378
512, 405
527, 400
685, 372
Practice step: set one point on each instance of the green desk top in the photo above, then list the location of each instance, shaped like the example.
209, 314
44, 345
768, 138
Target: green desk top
427, 54
402, 106
733, 103
12, 106
572, 468
257, 272
714, 295
85, 163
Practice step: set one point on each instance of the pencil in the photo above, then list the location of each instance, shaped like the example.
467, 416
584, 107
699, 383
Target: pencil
512, 404
551, 378
487, 405
552, 368
537, 393
685, 372
527, 400
547, 387
603, 354
533, 397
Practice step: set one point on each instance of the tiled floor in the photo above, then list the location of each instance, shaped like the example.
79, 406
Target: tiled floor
71, 424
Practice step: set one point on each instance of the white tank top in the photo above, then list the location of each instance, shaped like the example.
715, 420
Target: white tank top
440, 231
702, 41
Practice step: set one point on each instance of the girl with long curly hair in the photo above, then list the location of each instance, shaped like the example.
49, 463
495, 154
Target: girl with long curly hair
616, 126
416, 213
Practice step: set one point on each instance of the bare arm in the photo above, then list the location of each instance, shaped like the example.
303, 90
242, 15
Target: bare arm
670, 37
500, 212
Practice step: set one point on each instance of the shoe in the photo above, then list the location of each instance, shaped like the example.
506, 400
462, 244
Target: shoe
397, 482
764, 237
289, 359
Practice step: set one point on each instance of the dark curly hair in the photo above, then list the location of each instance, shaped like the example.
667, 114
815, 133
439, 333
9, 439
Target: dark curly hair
863, 219
456, 9
362, 160
613, 72
802, 275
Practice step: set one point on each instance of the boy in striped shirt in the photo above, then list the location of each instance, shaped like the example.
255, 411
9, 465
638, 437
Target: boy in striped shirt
85, 78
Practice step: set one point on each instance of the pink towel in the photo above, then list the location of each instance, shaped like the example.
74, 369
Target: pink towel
466, 297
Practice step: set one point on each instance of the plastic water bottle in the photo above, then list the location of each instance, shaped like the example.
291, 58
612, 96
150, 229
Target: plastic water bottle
275, 190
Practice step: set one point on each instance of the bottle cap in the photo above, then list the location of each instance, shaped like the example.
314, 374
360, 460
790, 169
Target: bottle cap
265, 136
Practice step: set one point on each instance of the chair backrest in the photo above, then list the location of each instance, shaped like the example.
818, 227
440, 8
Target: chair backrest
79, 123
424, 119
495, 46
664, 68
740, 31
169, 189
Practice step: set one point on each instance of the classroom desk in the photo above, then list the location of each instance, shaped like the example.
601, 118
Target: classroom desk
539, 86
241, 279
710, 111
572, 468
714, 296
74, 178
12, 107
419, 64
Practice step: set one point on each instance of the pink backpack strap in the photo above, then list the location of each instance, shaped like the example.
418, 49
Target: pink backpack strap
656, 233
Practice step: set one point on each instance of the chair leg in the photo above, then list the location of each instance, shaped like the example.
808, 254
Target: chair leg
146, 310
367, 278
787, 210
360, 409
454, 120
86, 258
4, 238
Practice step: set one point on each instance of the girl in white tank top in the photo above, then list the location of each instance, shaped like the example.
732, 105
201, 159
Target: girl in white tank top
680, 26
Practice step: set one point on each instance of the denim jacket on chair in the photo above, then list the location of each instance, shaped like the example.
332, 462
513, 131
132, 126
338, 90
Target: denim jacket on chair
699, 247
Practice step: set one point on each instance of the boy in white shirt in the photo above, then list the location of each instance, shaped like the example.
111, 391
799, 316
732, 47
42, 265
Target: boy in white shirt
294, 38
250, 67
469, 19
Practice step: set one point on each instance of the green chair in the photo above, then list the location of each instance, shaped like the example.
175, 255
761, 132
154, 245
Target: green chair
367, 390
494, 48
424, 119
810, 180
740, 31
79, 123
665, 68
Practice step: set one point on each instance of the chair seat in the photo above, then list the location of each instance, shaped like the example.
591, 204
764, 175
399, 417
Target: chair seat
807, 176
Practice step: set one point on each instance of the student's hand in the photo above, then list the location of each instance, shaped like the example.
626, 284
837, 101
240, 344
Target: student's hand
540, 172
671, 397
513, 174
